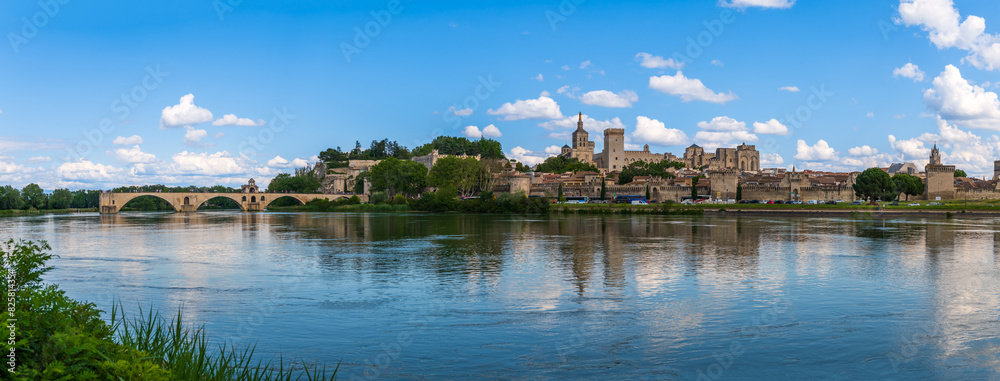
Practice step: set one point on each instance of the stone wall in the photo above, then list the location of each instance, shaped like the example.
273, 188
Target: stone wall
940, 182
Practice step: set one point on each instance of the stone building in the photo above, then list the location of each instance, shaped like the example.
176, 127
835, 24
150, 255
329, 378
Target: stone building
744, 158
583, 148
940, 178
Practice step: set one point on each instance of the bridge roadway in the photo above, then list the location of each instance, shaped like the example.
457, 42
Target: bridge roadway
111, 202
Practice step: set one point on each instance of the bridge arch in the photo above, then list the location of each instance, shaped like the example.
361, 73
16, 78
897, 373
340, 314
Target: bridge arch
124, 198
267, 200
215, 196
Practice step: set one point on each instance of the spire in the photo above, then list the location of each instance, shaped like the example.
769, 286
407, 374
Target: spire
581, 117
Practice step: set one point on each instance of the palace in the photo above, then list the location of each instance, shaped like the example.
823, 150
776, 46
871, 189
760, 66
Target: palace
614, 157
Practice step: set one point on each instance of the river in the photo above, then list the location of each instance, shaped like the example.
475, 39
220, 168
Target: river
426, 296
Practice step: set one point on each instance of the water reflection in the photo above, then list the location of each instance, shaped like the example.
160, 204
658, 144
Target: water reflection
559, 296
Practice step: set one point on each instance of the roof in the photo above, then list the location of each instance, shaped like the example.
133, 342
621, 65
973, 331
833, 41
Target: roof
694, 146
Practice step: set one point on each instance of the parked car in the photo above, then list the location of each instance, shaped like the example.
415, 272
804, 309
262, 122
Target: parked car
639, 202
831, 202
779, 202
935, 204
857, 202
893, 204
840, 201
914, 204
812, 202
796, 202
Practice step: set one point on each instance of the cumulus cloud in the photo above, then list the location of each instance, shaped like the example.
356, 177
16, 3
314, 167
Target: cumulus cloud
39, 159
771, 159
184, 113
490, 131
541, 108
132, 155
606, 98
862, 151
553, 150
193, 137
722, 123
742, 4
654, 131
462, 112
650, 61
688, 89
233, 120
562, 128
280, 162
204, 164
129, 141
791, 89
946, 29
821, 151
910, 71
528, 157
961, 102
86, 170
723, 131
585, 64
539, 78
771, 127
718, 63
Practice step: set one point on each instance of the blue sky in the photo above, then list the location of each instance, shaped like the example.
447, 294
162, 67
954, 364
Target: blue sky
101, 94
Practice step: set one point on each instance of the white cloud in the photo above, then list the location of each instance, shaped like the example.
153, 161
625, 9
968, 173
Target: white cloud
964, 149
585, 64
539, 78
650, 61
86, 170
553, 150
129, 141
689, 89
910, 148
280, 162
862, 151
563, 127
473, 132
941, 20
870, 114
781, 4
566, 67
193, 136
821, 151
233, 120
654, 131
219, 135
961, 102
771, 159
39, 159
771, 127
462, 112
791, 89
718, 63
541, 108
910, 71
184, 113
204, 164
527, 157
132, 155
723, 123
606, 98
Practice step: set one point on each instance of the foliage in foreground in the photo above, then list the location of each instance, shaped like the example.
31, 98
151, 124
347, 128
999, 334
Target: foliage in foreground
58, 338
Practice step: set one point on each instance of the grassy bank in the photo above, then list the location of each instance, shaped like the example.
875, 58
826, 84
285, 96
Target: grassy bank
32, 212
58, 338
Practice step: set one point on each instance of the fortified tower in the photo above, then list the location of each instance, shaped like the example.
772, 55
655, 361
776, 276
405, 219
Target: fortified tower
614, 149
724, 183
940, 178
996, 170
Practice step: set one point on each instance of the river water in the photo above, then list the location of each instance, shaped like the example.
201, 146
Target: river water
556, 297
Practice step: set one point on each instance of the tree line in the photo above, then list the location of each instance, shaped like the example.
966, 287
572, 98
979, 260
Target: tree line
383, 149
874, 184
32, 196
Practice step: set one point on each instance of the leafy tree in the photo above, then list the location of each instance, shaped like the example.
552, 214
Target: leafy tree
397, 176
448, 145
648, 196
487, 170
641, 168
960, 173
61, 199
562, 164
908, 184
462, 173
604, 192
739, 192
301, 183
694, 186
10, 198
560, 194
875, 184
34, 197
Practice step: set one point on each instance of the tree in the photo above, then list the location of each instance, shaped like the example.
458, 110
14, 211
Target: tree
739, 192
641, 168
488, 168
648, 196
694, 186
908, 185
449, 145
34, 197
604, 193
463, 173
875, 184
61, 199
397, 176
560, 194
960, 173
303, 182
562, 164
10, 198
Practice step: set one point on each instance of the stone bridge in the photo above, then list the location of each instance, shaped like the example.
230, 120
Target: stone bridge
250, 200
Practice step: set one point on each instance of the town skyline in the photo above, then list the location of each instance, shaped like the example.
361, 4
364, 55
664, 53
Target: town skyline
206, 96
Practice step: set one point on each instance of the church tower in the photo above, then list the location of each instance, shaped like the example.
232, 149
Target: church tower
935, 156
580, 136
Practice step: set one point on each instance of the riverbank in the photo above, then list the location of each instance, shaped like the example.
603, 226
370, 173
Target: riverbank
34, 212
